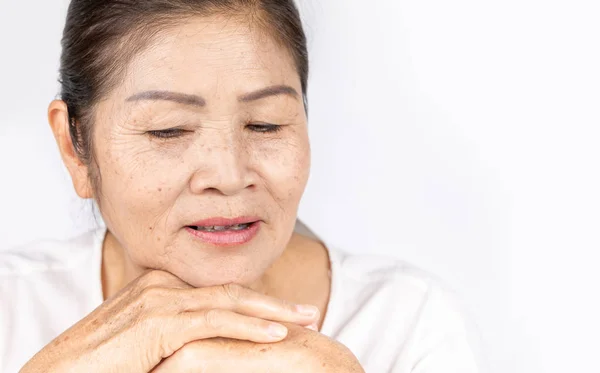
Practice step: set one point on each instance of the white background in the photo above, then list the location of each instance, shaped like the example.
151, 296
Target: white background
459, 135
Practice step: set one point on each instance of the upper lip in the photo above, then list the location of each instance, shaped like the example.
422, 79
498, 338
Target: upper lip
219, 221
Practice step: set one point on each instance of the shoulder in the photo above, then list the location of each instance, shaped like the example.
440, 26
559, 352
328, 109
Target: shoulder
49, 255
399, 284
405, 311
406, 282
45, 287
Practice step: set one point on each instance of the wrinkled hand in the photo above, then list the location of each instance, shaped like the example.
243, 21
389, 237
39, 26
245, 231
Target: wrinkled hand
155, 316
302, 351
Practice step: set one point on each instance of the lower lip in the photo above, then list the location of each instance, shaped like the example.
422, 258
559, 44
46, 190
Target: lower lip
227, 238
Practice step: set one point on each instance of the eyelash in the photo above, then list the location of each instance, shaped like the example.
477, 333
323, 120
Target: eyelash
265, 128
167, 134
178, 132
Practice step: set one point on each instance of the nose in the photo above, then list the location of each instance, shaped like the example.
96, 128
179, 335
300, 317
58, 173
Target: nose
222, 168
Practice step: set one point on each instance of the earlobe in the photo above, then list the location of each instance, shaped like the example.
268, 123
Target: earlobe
58, 118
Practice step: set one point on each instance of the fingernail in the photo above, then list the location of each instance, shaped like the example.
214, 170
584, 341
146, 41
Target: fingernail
307, 310
313, 327
277, 330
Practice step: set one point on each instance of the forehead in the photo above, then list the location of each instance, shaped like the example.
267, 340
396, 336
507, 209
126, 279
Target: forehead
211, 56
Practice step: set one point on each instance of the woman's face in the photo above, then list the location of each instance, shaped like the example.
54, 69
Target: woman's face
187, 136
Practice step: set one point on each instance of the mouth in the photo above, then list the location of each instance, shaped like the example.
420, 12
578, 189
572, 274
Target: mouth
225, 232
221, 228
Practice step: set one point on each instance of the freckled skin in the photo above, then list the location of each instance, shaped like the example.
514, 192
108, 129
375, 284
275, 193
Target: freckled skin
302, 351
152, 188
217, 164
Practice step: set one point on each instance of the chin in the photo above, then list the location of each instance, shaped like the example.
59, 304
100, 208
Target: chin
219, 280
202, 265
214, 275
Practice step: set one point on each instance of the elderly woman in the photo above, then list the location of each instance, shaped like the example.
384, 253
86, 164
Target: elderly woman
185, 121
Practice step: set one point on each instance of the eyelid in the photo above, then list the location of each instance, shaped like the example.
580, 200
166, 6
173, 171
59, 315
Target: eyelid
264, 124
176, 132
268, 127
167, 133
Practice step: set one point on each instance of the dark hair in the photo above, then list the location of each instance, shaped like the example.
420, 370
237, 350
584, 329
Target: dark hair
102, 36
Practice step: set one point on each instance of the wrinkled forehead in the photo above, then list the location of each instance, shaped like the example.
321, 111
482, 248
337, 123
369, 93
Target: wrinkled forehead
215, 57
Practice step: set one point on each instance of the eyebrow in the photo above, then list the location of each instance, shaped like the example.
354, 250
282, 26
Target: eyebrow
195, 100
181, 98
276, 90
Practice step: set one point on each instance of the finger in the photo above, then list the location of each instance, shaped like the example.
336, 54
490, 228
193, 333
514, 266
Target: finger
313, 327
245, 301
192, 326
158, 278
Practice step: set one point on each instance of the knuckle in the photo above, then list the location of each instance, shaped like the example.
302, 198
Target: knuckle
148, 279
155, 277
149, 293
234, 292
259, 325
213, 319
288, 307
152, 296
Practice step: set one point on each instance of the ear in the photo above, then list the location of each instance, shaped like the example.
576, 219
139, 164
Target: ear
58, 117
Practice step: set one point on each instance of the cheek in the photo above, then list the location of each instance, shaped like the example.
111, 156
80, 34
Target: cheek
285, 167
138, 186
132, 168
139, 191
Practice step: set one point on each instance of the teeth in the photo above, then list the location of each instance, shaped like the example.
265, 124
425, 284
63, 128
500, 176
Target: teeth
221, 228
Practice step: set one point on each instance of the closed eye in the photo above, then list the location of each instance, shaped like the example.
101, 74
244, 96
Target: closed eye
168, 133
264, 127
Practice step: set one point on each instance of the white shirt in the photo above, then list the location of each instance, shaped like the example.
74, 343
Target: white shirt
393, 317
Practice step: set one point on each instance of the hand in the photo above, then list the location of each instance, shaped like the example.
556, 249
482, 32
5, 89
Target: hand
155, 316
302, 351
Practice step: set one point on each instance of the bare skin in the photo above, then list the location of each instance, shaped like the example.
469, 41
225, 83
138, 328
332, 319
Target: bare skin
304, 265
302, 351
205, 147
